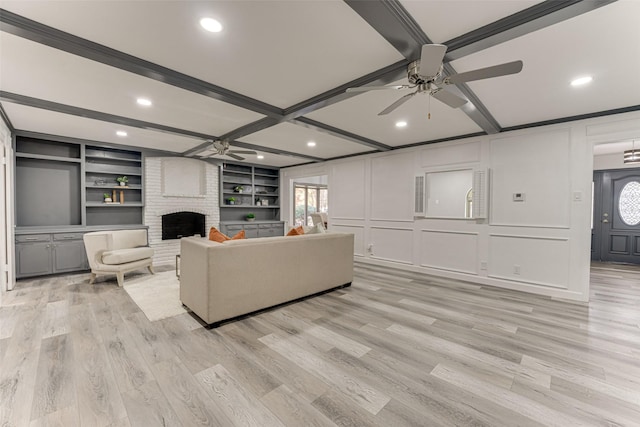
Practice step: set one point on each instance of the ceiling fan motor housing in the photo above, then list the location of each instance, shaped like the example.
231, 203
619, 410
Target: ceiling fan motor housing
415, 78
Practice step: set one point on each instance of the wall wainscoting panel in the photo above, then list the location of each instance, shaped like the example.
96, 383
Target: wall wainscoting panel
158, 204
530, 180
347, 190
530, 259
449, 250
392, 244
358, 236
453, 154
391, 188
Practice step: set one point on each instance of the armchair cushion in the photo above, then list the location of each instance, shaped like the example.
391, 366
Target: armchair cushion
122, 256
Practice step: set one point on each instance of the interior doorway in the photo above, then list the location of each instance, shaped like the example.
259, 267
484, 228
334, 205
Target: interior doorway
310, 195
615, 232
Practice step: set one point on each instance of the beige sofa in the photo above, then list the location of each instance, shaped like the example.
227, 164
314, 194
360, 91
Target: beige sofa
117, 252
220, 281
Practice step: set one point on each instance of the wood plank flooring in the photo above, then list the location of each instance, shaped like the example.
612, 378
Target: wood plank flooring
395, 349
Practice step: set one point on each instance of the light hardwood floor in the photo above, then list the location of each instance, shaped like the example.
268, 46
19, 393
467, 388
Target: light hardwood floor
395, 349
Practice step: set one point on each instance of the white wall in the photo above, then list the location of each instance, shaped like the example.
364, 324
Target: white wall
7, 274
611, 161
540, 245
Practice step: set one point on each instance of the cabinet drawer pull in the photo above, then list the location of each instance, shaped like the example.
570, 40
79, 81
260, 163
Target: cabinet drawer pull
31, 238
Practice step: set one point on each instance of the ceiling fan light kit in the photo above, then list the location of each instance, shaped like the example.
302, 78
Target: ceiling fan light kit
425, 76
633, 155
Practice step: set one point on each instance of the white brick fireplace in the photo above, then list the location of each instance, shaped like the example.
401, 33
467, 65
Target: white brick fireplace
176, 184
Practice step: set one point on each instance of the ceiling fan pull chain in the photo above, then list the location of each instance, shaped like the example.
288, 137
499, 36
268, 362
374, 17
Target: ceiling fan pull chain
429, 108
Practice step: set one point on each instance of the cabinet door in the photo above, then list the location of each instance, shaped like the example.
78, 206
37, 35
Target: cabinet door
69, 256
33, 259
267, 231
251, 231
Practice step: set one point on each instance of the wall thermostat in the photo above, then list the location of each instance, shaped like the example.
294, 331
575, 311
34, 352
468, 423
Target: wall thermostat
518, 197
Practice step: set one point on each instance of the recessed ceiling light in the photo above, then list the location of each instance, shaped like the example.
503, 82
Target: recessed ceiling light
581, 81
121, 133
311, 144
260, 156
211, 24
401, 124
144, 101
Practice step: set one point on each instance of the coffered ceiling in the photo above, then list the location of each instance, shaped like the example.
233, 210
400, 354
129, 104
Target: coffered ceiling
274, 78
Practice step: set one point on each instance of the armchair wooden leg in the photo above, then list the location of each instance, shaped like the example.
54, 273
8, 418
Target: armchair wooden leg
92, 279
120, 276
151, 269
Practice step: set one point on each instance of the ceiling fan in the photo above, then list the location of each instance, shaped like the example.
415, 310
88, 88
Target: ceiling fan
425, 76
221, 147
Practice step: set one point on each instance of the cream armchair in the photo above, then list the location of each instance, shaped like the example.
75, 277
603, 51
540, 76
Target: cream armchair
117, 252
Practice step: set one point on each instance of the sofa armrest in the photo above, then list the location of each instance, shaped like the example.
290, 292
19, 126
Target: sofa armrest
194, 274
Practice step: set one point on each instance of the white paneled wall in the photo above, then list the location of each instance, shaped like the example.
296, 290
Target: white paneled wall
539, 245
391, 189
392, 244
358, 236
449, 250
346, 199
538, 167
521, 258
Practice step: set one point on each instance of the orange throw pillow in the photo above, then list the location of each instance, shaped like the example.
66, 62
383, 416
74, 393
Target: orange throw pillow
217, 236
300, 230
293, 232
239, 235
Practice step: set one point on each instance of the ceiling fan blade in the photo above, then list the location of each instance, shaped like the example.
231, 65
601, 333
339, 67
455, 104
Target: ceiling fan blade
241, 152
485, 73
234, 156
368, 88
396, 104
431, 59
453, 101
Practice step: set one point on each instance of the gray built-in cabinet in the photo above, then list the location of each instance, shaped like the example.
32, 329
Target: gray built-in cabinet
260, 195
60, 189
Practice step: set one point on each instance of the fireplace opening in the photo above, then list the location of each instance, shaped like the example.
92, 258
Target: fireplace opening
182, 224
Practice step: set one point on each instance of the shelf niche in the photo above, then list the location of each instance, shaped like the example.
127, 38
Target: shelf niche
259, 184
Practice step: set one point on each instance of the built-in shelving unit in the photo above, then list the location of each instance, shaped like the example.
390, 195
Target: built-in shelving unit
48, 176
60, 189
102, 167
260, 193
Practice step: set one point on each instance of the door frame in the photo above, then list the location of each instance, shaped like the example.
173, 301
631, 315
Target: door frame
7, 247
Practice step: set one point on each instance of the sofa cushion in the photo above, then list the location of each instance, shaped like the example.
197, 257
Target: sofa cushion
123, 256
125, 239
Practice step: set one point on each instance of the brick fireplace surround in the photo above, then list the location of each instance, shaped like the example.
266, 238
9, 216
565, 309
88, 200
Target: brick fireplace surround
158, 202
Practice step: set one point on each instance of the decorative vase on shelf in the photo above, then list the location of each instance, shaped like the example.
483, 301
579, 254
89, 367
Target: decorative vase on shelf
123, 184
108, 200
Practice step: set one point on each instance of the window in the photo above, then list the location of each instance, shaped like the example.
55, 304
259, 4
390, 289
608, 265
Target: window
309, 198
629, 203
